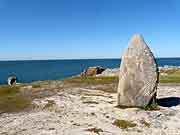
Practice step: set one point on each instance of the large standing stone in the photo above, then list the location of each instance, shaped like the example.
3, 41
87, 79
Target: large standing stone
138, 75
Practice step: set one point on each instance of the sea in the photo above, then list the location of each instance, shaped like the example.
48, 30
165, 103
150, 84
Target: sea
34, 70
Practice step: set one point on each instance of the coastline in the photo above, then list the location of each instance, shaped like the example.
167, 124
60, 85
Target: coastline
73, 107
78, 105
110, 72
59, 69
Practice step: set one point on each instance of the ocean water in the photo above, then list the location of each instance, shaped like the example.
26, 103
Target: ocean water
29, 71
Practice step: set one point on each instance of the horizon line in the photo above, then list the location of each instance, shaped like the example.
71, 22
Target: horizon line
77, 59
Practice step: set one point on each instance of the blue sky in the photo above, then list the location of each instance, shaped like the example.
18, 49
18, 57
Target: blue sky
76, 29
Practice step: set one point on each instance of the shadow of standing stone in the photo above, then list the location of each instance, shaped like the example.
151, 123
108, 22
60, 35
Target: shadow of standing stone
169, 101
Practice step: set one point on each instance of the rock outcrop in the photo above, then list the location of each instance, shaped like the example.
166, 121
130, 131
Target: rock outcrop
138, 75
12, 80
92, 71
110, 72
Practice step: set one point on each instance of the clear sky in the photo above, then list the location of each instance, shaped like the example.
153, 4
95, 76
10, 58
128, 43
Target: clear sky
76, 29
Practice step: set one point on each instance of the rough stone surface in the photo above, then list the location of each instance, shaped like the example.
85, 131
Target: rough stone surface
138, 75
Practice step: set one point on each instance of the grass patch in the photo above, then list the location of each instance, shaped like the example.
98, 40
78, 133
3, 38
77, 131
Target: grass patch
11, 100
8, 90
171, 71
124, 124
172, 76
151, 107
36, 86
14, 103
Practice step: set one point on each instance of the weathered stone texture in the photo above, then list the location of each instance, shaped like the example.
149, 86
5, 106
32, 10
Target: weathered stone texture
138, 75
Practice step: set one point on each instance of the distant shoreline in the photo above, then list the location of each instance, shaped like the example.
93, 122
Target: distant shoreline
81, 59
35, 70
114, 72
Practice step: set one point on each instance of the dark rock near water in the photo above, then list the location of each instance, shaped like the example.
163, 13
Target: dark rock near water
92, 71
12, 80
138, 75
110, 72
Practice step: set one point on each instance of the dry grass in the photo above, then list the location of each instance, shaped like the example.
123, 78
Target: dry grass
36, 85
173, 76
151, 107
8, 90
11, 100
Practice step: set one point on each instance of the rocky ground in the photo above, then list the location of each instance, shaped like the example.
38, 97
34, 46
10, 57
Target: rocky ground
75, 110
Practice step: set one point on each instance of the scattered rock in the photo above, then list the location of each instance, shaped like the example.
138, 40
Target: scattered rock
138, 77
92, 71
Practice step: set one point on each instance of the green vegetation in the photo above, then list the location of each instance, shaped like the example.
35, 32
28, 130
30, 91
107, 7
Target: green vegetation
11, 100
151, 107
124, 124
170, 76
36, 85
8, 90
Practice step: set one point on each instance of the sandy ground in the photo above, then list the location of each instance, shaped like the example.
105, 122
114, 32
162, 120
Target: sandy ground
78, 111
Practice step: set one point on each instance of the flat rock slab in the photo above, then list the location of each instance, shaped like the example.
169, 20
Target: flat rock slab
138, 75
